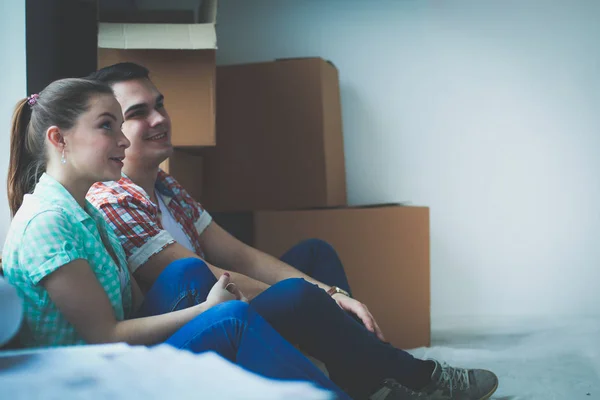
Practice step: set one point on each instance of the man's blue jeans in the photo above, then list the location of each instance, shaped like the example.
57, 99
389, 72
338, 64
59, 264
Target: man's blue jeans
306, 316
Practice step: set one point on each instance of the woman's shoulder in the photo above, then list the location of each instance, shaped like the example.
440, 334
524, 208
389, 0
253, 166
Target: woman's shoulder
34, 229
39, 210
37, 215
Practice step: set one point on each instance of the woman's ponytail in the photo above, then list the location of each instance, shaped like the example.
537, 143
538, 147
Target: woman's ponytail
21, 161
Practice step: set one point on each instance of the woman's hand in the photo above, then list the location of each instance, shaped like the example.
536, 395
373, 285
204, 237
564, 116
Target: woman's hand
224, 290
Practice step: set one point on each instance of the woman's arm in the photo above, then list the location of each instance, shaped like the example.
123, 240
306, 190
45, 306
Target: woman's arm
150, 271
82, 300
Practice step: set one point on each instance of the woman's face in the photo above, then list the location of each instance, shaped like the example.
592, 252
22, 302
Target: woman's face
95, 146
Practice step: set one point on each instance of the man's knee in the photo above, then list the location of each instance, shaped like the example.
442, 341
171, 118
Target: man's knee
318, 245
192, 269
297, 290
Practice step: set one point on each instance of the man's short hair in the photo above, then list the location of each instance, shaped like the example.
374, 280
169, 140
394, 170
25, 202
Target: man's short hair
120, 72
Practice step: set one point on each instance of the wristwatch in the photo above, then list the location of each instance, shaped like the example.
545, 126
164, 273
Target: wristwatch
334, 289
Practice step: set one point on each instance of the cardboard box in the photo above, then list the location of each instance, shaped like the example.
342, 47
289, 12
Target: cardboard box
279, 138
186, 168
181, 60
384, 249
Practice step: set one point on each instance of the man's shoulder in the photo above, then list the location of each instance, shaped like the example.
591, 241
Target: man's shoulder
110, 192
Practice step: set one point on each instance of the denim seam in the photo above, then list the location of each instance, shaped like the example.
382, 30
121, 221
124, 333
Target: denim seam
237, 320
182, 296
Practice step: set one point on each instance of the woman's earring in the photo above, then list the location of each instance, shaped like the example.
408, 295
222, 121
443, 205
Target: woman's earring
63, 160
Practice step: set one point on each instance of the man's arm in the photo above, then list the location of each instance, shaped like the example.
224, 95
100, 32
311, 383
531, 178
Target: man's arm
223, 249
228, 252
147, 273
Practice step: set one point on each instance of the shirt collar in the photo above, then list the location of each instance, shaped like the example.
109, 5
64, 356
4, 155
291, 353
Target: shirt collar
162, 187
49, 189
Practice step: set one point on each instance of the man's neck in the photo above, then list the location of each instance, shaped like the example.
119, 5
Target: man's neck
144, 178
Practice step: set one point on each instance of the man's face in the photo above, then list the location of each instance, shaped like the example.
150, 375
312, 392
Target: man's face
146, 124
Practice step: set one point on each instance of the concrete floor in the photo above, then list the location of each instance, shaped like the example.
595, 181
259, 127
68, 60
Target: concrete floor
533, 358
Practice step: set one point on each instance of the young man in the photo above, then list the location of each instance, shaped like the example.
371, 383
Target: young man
159, 223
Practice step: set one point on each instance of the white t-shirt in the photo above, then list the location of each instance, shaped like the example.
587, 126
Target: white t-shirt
170, 225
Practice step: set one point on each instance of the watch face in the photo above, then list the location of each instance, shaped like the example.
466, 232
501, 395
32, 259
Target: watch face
342, 291
334, 290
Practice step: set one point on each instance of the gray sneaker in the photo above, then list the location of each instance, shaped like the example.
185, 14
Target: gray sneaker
447, 383
392, 390
460, 384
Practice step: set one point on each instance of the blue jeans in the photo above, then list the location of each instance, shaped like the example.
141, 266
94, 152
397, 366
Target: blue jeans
320, 261
233, 330
306, 316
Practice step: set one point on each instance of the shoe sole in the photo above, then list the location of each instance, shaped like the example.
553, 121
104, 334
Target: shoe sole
487, 396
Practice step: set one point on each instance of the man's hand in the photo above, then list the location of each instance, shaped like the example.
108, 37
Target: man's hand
361, 311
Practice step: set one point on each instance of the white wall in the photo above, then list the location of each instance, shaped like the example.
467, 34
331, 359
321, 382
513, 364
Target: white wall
13, 82
486, 111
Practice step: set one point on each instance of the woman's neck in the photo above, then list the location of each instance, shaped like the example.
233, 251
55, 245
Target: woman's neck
78, 188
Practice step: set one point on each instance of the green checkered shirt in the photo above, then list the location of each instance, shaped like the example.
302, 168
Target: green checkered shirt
51, 230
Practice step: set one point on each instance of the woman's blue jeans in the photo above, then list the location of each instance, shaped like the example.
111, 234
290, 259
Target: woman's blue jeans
238, 333
304, 315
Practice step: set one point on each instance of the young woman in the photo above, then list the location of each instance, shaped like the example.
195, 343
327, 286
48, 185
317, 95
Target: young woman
69, 267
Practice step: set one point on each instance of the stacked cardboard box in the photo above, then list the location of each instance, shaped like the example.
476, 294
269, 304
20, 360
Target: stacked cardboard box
384, 250
277, 176
280, 143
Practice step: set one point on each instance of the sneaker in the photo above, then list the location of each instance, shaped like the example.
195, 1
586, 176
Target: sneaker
392, 390
447, 383
460, 384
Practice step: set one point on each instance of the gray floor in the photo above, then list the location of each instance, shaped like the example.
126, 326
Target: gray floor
533, 358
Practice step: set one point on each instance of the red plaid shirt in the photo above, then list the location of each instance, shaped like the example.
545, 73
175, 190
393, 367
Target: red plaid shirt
137, 220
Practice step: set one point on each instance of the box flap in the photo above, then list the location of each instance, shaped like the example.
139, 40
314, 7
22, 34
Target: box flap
359, 206
307, 58
406, 204
157, 36
299, 58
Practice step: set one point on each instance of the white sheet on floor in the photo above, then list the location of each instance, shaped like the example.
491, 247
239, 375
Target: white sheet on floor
124, 372
534, 359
